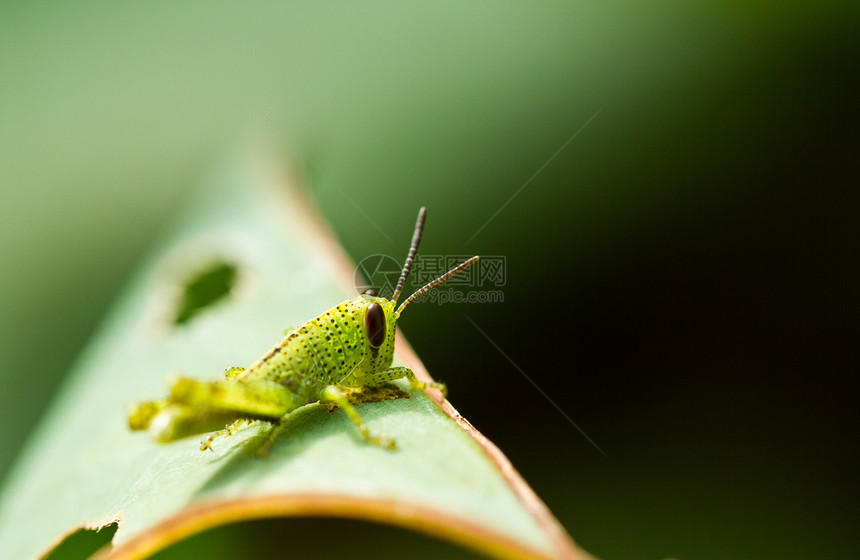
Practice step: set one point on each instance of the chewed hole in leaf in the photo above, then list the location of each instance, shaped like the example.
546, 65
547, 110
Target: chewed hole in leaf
83, 543
205, 288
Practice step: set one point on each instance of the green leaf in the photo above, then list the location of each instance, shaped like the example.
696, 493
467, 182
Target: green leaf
250, 259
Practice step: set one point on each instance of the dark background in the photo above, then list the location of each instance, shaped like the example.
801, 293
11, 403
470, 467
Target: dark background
681, 277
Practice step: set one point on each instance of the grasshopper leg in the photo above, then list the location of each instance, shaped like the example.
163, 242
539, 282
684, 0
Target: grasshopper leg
194, 407
171, 421
259, 398
399, 372
206, 444
371, 394
335, 395
355, 395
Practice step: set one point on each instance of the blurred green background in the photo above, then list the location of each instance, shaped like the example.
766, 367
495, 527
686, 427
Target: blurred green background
681, 277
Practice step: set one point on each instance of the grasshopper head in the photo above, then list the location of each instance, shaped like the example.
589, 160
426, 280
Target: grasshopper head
376, 319
379, 317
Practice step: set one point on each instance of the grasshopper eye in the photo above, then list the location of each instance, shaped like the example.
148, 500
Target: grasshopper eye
374, 324
370, 292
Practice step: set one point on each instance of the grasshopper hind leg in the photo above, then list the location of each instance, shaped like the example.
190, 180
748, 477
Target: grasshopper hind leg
195, 407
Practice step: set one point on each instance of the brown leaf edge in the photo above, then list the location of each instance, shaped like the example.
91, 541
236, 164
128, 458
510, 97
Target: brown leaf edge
199, 517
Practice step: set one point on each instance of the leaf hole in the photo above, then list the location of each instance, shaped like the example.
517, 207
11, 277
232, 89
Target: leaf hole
83, 543
204, 289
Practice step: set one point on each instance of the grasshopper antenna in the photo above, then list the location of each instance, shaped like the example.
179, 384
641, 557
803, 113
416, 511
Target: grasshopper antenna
416, 239
437, 281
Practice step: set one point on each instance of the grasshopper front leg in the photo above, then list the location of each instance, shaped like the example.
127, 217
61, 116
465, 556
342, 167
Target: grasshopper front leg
400, 372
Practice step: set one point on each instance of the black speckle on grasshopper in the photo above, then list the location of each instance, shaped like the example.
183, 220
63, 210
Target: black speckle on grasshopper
347, 348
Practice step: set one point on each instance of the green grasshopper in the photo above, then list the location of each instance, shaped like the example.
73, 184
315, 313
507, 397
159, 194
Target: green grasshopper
342, 356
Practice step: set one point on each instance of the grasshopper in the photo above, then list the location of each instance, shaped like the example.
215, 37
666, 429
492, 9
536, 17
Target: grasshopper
340, 357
